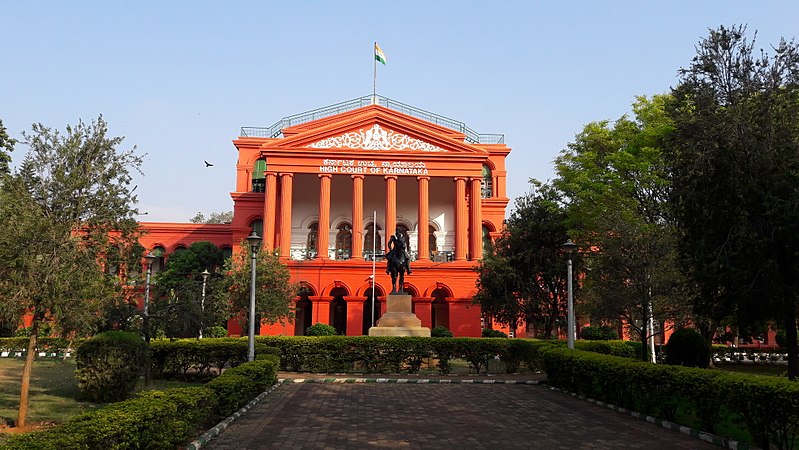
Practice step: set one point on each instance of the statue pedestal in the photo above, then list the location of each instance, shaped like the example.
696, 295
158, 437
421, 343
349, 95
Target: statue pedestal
398, 319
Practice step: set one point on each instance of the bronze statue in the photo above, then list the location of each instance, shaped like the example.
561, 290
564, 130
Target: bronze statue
398, 261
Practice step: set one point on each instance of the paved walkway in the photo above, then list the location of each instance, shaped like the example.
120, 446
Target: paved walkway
438, 416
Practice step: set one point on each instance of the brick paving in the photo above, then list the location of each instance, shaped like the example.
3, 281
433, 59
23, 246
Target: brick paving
438, 416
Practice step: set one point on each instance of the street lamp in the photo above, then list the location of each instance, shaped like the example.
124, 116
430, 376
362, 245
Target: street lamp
569, 247
150, 257
205, 275
254, 241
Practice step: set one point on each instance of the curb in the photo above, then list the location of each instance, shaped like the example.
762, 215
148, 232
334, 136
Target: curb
221, 426
707, 437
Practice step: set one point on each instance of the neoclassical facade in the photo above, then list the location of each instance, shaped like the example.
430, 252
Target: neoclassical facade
326, 188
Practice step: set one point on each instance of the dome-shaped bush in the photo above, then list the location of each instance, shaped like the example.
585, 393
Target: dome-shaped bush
686, 347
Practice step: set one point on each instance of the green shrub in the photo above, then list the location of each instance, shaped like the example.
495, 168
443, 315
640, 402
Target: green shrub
216, 332
440, 331
489, 333
686, 347
598, 333
320, 329
109, 365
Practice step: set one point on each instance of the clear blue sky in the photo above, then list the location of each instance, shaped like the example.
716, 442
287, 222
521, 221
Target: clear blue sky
178, 78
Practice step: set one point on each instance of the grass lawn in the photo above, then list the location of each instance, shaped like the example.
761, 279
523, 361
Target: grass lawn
54, 395
770, 370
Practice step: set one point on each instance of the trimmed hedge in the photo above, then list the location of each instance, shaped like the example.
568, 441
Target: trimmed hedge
157, 419
109, 365
769, 407
199, 358
48, 345
373, 354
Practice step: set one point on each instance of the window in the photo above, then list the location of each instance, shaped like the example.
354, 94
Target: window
431, 241
487, 184
158, 264
344, 241
310, 243
371, 239
258, 226
258, 176
488, 245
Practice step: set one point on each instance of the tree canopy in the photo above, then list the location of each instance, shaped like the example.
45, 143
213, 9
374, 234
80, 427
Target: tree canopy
67, 217
735, 171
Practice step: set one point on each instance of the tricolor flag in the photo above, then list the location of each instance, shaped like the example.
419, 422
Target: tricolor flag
379, 56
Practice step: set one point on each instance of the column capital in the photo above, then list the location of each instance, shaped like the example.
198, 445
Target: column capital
324, 175
356, 176
287, 174
423, 178
459, 179
390, 177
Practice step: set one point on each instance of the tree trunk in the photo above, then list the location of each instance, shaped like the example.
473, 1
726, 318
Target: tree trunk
22, 414
793, 346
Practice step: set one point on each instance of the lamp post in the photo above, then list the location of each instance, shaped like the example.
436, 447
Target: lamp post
150, 257
254, 241
569, 247
205, 275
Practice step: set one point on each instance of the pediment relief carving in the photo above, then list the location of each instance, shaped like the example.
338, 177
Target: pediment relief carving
376, 138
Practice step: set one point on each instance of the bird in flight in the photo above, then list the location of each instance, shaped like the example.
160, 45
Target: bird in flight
207, 164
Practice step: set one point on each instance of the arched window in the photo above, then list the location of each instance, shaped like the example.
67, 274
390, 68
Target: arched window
310, 243
258, 176
344, 241
158, 264
431, 241
404, 231
488, 245
257, 225
487, 184
370, 238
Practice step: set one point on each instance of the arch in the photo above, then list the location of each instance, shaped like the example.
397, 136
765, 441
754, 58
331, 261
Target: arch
488, 243
179, 247
303, 315
227, 252
257, 225
305, 286
336, 288
159, 251
411, 289
367, 307
338, 310
439, 286
439, 312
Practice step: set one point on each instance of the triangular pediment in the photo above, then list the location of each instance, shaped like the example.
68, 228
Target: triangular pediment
376, 138
374, 128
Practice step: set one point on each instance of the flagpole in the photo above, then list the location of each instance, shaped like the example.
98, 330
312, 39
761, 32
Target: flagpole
374, 257
374, 76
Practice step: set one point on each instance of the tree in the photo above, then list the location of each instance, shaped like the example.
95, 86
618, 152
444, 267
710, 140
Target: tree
616, 181
6, 147
67, 216
274, 293
525, 279
735, 169
216, 217
178, 308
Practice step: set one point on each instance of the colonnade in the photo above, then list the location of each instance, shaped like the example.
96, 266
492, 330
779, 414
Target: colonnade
468, 215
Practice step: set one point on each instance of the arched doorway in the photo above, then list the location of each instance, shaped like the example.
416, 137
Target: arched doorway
440, 309
303, 315
367, 309
338, 311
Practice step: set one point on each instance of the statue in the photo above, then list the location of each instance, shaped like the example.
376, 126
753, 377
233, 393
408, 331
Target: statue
398, 261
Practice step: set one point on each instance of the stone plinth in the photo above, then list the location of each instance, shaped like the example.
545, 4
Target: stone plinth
398, 319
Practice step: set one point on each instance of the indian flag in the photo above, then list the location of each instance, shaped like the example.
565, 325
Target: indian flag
379, 56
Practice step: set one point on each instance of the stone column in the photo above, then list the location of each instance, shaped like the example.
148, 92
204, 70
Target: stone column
270, 205
461, 222
354, 315
286, 181
323, 235
391, 207
424, 310
423, 244
357, 217
321, 309
476, 221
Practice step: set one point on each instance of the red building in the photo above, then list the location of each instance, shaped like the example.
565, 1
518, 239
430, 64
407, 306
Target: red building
312, 184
